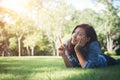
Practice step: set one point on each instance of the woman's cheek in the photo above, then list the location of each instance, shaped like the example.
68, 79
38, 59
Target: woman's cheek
78, 39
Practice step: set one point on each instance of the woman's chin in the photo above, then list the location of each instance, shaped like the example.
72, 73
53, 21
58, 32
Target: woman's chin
73, 43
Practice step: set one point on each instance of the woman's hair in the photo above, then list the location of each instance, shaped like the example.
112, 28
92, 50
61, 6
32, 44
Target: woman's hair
90, 33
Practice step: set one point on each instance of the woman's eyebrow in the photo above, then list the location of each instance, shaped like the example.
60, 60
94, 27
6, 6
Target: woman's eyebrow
79, 31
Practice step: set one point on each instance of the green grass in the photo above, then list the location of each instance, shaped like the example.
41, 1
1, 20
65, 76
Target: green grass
51, 68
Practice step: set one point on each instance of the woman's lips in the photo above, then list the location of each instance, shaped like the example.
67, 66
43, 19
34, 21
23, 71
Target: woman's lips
73, 40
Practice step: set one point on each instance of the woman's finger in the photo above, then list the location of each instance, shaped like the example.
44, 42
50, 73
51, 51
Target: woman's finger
83, 41
61, 42
79, 42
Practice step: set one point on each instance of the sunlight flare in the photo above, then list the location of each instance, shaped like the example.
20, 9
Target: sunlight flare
16, 5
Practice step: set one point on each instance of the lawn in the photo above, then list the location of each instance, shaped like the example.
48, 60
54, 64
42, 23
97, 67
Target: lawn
51, 68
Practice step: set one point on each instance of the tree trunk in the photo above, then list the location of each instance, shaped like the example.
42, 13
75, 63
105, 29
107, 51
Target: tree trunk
32, 51
54, 48
28, 50
3, 53
109, 44
19, 46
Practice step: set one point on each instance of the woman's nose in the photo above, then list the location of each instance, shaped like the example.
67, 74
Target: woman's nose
74, 35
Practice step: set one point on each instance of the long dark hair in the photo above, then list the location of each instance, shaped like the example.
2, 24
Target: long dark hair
90, 33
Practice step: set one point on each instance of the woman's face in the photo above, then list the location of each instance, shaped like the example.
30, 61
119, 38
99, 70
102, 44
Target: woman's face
78, 33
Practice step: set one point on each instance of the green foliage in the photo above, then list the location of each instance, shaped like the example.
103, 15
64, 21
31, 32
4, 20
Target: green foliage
45, 45
87, 16
31, 40
13, 43
111, 24
113, 53
102, 42
40, 31
1, 38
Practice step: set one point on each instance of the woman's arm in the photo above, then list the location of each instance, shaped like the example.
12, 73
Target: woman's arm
92, 60
61, 51
69, 60
66, 61
78, 50
81, 59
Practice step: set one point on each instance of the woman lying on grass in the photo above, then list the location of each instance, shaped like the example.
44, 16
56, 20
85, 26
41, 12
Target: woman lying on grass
83, 49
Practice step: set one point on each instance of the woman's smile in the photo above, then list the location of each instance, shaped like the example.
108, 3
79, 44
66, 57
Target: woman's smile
77, 34
74, 40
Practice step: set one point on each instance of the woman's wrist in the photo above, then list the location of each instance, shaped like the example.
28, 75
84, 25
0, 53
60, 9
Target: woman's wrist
62, 54
78, 50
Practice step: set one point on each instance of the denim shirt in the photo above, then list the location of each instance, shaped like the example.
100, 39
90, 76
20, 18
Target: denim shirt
92, 54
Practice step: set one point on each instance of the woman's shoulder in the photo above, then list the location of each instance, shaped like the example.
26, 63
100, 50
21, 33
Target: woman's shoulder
94, 45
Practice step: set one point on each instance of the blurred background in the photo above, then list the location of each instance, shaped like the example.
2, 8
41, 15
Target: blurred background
32, 27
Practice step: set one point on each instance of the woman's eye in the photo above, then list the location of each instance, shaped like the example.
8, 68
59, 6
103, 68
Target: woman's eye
79, 34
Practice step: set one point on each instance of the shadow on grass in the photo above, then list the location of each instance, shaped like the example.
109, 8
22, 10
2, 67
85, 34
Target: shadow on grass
24, 69
107, 73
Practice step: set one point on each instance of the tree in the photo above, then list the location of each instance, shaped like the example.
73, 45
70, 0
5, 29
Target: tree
6, 16
86, 16
111, 23
13, 46
52, 17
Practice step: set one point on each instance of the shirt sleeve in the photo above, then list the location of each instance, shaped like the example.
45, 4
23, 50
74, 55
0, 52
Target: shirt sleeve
74, 62
93, 51
71, 58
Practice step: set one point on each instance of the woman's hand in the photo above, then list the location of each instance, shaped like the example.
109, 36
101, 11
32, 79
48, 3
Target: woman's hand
61, 49
81, 44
